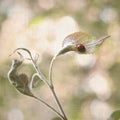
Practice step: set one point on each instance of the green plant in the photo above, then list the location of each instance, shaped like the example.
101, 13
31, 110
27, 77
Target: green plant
79, 42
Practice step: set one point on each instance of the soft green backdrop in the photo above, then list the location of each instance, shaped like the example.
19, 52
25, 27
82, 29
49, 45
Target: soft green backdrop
88, 86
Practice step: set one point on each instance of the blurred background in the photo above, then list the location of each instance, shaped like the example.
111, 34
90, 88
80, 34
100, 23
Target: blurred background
87, 85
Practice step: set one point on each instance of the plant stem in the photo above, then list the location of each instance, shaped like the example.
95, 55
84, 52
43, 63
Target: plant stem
42, 77
49, 106
58, 103
50, 71
52, 87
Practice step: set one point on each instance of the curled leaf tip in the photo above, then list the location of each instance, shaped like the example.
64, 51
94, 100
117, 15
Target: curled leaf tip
19, 81
24, 49
91, 47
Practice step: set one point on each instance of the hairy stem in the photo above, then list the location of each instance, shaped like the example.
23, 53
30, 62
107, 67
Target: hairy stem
54, 110
50, 71
58, 103
42, 77
52, 87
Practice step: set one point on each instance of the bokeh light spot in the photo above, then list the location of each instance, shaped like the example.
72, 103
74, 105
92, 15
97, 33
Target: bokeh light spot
100, 86
108, 15
15, 114
100, 110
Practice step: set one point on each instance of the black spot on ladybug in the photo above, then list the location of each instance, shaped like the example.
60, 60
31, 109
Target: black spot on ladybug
81, 48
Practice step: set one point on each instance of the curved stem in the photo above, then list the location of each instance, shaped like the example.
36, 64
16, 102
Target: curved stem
52, 87
32, 79
50, 71
54, 110
42, 77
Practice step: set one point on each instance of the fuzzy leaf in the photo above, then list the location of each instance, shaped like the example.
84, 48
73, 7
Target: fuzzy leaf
80, 42
35, 82
19, 81
78, 37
